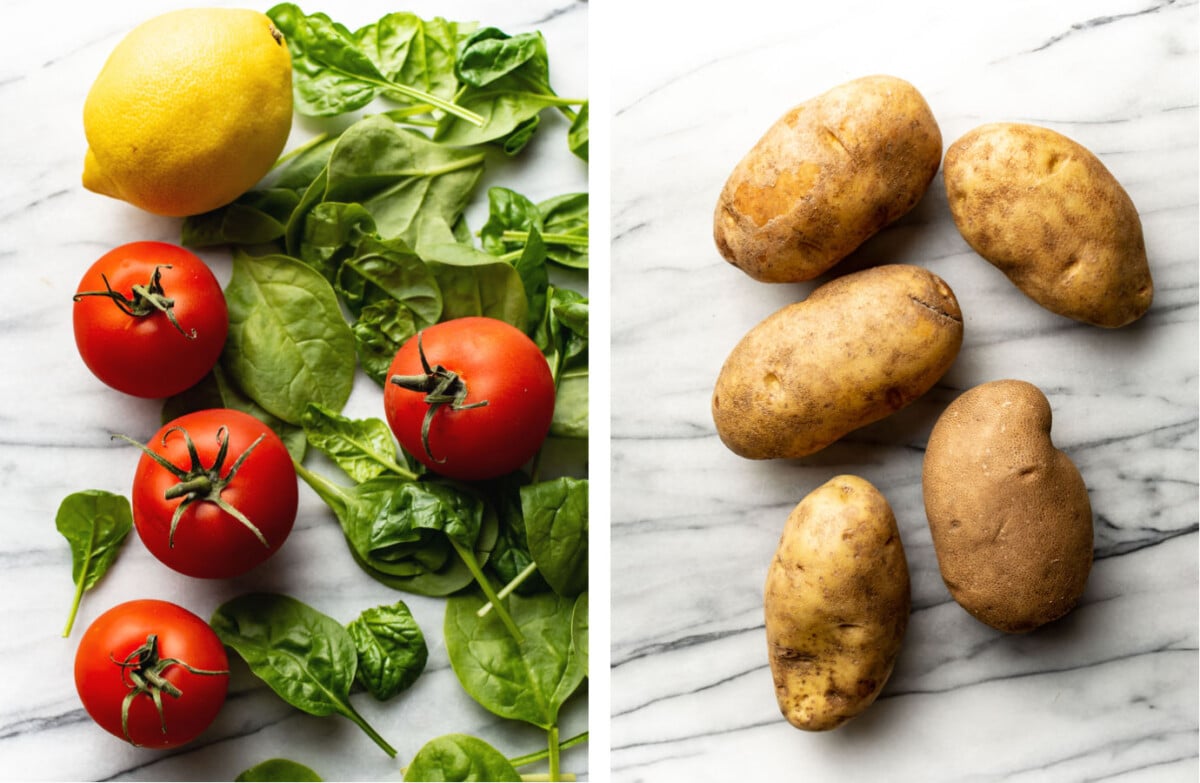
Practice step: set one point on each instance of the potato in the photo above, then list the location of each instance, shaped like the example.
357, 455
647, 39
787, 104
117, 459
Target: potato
836, 604
1046, 212
825, 177
1008, 512
859, 348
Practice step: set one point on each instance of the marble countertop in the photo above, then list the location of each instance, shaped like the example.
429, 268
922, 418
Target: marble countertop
1108, 692
56, 420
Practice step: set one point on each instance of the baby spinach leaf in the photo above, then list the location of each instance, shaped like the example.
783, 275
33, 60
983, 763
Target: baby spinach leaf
475, 283
460, 757
257, 217
332, 231
401, 177
288, 342
577, 136
363, 448
305, 656
565, 229
387, 270
414, 51
506, 80
398, 545
571, 405
333, 75
535, 278
556, 526
381, 328
391, 649
528, 680
216, 391
510, 560
279, 770
579, 627
561, 221
95, 524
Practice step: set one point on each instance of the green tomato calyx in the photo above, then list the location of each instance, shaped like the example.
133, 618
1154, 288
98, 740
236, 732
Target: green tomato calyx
198, 483
147, 300
441, 387
144, 671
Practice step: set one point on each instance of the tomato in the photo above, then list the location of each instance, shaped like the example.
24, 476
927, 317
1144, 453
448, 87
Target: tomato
139, 647
150, 319
470, 398
214, 494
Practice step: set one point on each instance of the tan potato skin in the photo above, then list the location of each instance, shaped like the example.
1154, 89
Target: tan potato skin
1008, 512
825, 177
859, 348
836, 603
1045, 211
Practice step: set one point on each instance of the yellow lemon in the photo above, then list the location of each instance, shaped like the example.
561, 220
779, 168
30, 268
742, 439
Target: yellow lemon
190, 110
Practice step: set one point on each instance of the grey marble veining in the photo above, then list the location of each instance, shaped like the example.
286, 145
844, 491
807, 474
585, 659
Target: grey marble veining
56, 422
1108, 692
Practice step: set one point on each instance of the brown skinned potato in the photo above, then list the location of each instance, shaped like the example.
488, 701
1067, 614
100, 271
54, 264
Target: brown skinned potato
1008, 512
836, 604
825, 177
1046, 212
859, 348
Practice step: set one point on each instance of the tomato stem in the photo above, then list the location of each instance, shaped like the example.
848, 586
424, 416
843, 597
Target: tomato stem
143, 671
147, 300
441, 387
198, 483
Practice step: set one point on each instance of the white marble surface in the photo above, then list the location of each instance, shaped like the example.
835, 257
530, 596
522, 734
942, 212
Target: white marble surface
1109, 692
56, 419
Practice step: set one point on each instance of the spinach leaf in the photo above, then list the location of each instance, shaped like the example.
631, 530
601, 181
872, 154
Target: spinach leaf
577, 136
387, 270
556, 526
363, 448
391, 649
288, 342
535, 278
475, 283
306, 657
399, 537
333, 75
215, 390
279, 770
381, 328
579, 627
332, 231
571, 405
460, 757
95, 524
561, 221
511, 561
506, 81
414, 51
528, 680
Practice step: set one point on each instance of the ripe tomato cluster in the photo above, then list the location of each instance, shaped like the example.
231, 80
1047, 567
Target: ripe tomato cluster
215, 491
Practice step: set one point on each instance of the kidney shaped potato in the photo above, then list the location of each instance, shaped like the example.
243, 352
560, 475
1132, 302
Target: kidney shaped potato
825, 177
859, 348
1008, 512
836, 604
1046, 212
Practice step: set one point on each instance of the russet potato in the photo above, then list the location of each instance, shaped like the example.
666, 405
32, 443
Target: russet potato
836, 604
1008, 512
826, 176
859, 348
1046, 212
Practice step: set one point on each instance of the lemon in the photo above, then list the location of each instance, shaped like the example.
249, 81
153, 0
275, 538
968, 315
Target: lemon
190, 110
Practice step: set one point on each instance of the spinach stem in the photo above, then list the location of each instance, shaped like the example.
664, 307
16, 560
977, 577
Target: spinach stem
570, 240
552, 741
75, 603
505, 591
353, 715
305, 147
468, 557
538, 755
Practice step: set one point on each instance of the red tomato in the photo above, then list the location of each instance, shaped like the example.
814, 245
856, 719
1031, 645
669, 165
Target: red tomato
123, 319
490, 392
231, 493
129, 651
